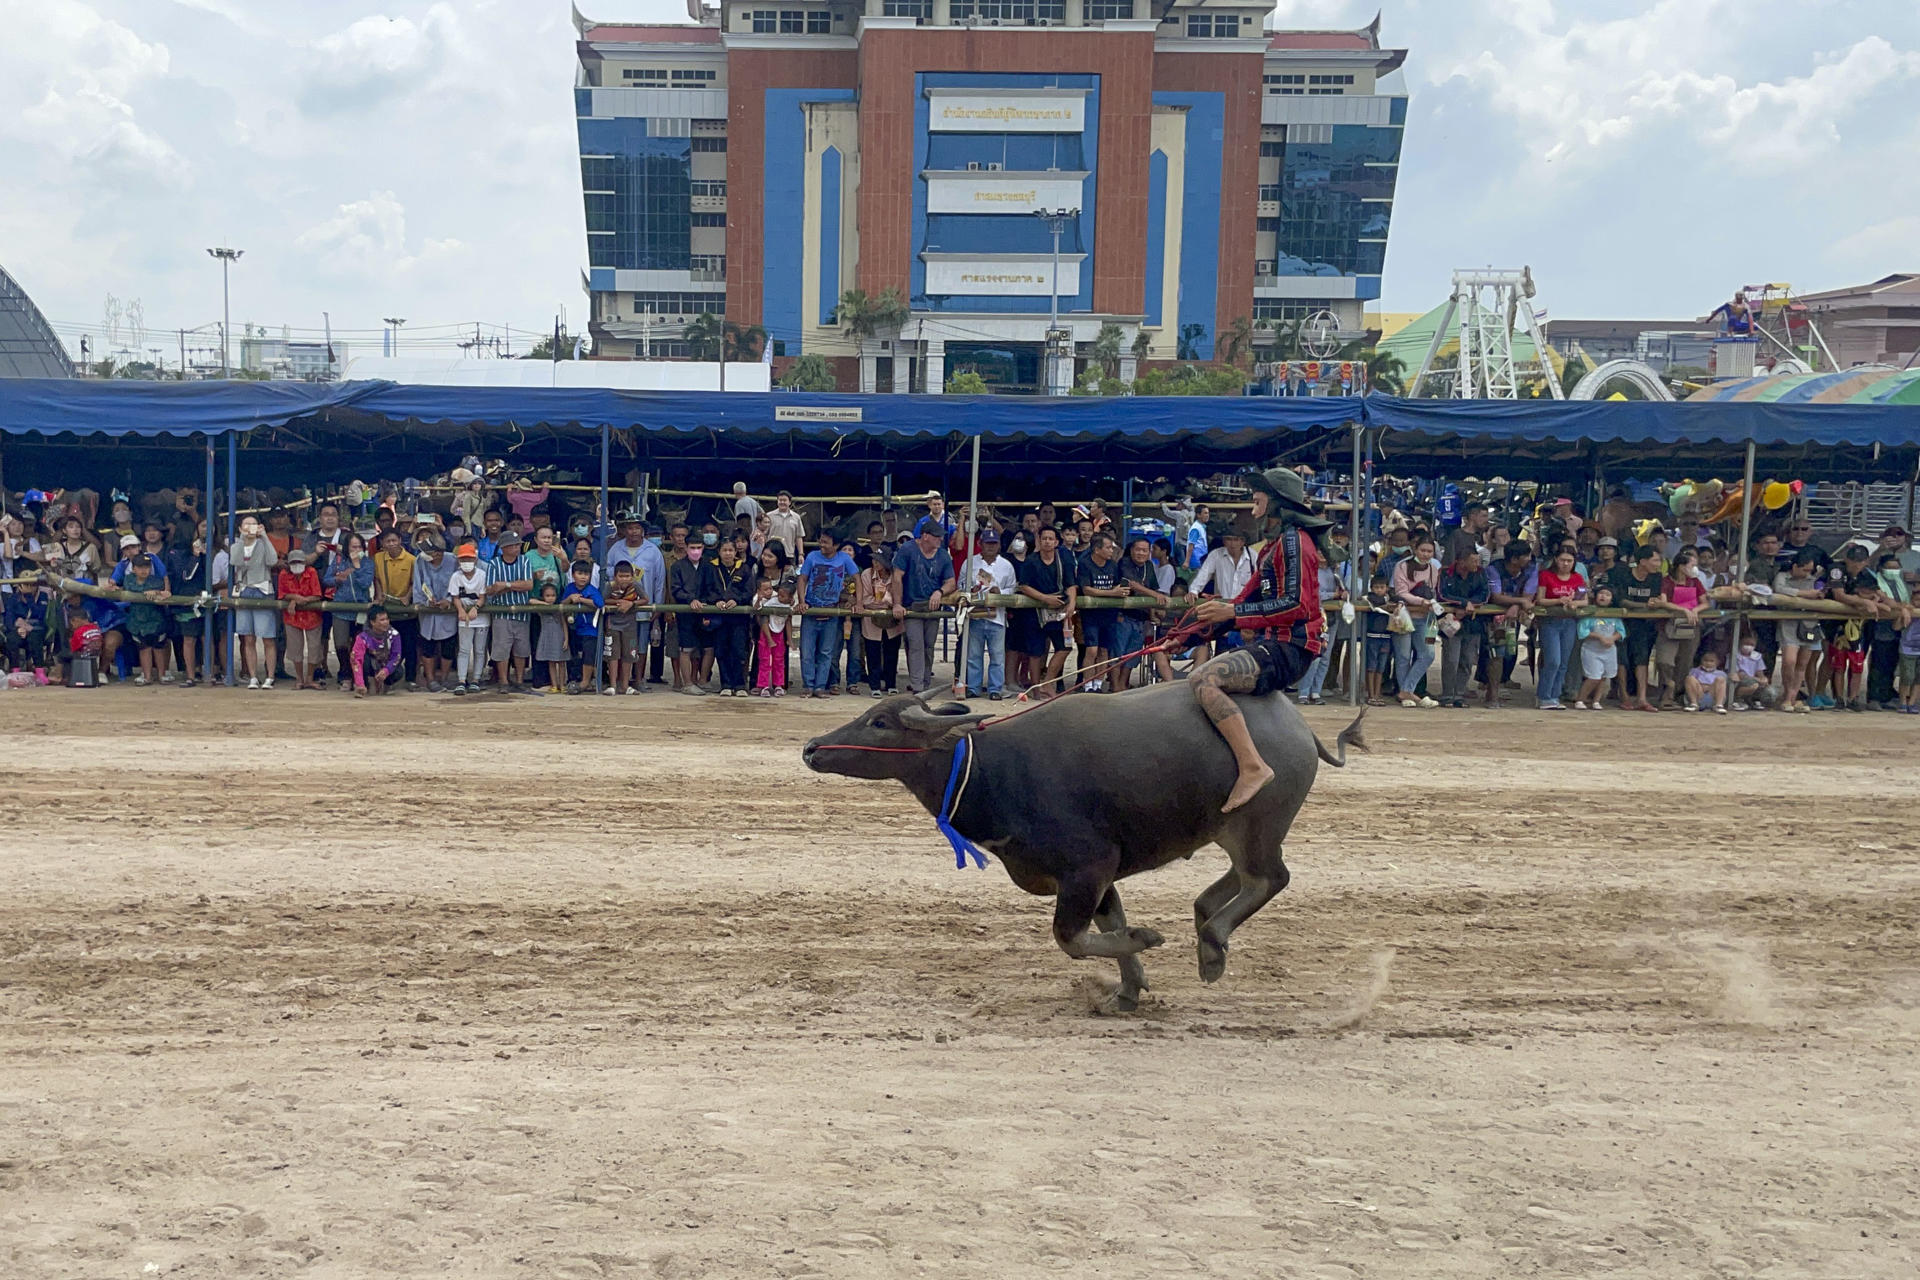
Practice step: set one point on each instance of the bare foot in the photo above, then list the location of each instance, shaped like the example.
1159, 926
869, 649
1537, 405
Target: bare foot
1247, 788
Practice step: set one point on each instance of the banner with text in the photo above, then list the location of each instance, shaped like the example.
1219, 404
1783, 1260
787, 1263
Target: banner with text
969, 192
1026, 277
955, 111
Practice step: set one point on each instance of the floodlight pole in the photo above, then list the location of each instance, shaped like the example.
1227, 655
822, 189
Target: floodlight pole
227, 258
1057, 221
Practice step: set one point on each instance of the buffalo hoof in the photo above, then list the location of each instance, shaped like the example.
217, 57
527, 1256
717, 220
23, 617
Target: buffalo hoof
1147, 938
1213, 961
1116, 1004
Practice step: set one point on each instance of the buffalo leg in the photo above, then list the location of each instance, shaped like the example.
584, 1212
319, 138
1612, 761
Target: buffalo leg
1261, 877
1213, 897
1074, 909
1112, 918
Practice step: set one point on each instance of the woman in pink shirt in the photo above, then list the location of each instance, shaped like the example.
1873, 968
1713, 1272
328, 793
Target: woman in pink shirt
1561, 589
1416, 584
1679, 638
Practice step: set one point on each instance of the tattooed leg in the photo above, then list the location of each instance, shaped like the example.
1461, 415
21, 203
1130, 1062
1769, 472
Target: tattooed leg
1235, 671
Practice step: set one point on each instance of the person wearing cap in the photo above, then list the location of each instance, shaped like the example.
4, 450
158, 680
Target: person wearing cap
433, 572
253, 561
1895, 541
467, 588
510, 585
146, 622
1279, 617
299, 590
785, 524
988, 574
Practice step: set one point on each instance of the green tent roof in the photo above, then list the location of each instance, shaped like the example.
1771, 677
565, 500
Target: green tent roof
1410, 344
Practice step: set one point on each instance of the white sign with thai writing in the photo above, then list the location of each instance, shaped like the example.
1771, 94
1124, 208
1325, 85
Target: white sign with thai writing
1026, 277
970, 192
1006, 111
814, 413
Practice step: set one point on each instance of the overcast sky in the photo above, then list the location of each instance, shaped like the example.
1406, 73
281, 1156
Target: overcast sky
379, 158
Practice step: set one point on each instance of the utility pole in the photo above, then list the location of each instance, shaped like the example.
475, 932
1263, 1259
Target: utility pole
1057, 220
646, 334
227, 258
183, 355
393, 334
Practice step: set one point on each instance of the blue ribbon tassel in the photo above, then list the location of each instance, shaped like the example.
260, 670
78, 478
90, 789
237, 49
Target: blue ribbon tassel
963, 848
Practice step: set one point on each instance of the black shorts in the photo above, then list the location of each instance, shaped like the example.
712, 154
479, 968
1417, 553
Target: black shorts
438, 650
1096, 632
692, 634
149, 639
1638, 645
1281, 665
1045, 638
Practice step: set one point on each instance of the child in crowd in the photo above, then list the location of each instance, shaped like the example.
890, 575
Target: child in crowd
623, 601
468, 591
1706, 685
1379, 639
552, 647
1801, 639
583, 629
147, 620
376, 653
1600, 653
1752, 690
770, 651
84, 639
1906, 676
26, 630
299, 589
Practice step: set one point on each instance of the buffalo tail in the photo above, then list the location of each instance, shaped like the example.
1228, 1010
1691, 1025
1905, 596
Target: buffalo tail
1354, 735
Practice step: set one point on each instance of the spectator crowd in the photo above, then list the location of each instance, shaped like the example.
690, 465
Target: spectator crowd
512, 591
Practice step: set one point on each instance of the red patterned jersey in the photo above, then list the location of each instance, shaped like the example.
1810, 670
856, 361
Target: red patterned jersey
1283, 600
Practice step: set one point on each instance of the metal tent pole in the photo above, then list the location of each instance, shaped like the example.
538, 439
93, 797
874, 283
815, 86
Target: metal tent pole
206, 552
1356, 563
1746, 536
972, 531
233, 504
606, 515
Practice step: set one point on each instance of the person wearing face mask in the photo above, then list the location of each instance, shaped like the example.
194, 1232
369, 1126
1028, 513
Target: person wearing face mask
467, 588
693, 583
351, 581
433, 571
253, 562
1022, 624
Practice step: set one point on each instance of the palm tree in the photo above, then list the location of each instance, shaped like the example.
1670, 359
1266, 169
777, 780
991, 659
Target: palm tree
1142, 345
1104, 350
1188, 347
864, 315
705, 333
1385, 371
1237, 337
809, 373
744, 342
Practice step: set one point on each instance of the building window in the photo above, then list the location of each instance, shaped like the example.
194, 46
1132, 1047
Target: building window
765, 21
1011, 12
921, 9
1270, 150
819, 22
709, 219
645, 75
637, 208
707, 187
1289, 309
1338, 182
1284, 78
679, 304
709, 144
1267, 192
793, 22
1330, 79
1260, 224
683, 76
712, 266
1325, 93
1109, 10
1214, 25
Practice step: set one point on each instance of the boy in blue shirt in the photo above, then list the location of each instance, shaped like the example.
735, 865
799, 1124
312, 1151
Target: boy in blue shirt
583, 631
824, 574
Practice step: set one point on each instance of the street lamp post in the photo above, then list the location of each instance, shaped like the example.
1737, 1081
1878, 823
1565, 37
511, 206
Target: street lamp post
227, 258
393, 334
1057, 220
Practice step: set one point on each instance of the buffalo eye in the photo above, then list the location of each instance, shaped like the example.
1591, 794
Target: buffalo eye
881, 722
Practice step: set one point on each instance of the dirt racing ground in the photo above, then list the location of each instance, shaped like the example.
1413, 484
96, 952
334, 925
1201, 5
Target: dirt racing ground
576, 987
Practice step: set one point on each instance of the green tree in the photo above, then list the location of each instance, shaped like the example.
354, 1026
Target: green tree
1385, 371
1188, 347
966, 383
744, 342
1203, 379
705, 334
543, 349
1104, 350
810, 372
1236, 339
1142, 345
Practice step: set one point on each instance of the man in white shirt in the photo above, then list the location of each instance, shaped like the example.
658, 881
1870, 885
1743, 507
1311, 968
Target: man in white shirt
786, 526
1226, 571
988, 574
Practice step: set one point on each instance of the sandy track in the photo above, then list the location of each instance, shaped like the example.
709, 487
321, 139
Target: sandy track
599, 988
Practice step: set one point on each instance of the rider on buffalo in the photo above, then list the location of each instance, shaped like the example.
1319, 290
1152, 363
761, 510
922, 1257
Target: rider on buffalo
1278, 616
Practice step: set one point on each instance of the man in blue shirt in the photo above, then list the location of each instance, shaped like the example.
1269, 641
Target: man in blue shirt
823, 577
936, 518
922, 578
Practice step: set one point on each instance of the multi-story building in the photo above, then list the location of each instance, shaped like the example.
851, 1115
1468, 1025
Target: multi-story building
1208, 178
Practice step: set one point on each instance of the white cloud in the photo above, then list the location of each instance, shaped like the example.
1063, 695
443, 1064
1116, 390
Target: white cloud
380, 57
1590, 86
370, 236
1893, 245
66, 74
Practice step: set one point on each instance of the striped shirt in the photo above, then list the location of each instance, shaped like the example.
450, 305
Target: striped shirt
498, 570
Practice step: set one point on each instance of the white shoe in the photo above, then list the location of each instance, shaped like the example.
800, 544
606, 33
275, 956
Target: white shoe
1578, 705
267, 683
253, 682
1428, 702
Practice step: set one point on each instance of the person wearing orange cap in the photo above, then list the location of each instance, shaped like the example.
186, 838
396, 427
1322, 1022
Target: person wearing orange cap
467, 588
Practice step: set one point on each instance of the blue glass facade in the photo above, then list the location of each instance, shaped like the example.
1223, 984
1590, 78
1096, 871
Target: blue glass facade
638, 196
1336, 200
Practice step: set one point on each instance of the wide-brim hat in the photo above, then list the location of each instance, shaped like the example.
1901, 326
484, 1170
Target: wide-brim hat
1286, 487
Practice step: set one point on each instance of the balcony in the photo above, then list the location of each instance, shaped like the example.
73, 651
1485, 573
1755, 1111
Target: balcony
1267, 208
710, 204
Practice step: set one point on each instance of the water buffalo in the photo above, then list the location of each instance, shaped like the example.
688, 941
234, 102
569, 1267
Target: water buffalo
1085, 791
